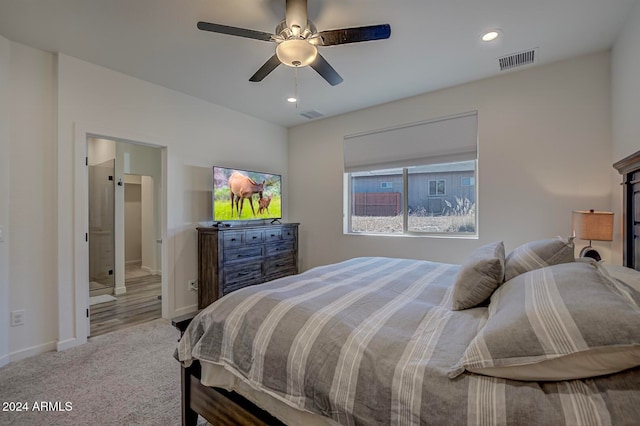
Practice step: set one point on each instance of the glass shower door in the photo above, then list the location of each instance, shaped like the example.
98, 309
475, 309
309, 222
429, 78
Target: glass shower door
101, 228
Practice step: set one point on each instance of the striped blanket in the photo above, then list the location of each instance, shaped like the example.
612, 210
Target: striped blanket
370, 341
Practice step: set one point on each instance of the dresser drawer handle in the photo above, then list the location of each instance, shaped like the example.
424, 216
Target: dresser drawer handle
242, 274
233, 239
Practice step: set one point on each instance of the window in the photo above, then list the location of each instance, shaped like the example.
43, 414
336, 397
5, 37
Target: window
436, 187
430, 188
467, 181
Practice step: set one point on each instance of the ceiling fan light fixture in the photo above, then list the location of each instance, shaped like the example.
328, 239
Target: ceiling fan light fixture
296, 52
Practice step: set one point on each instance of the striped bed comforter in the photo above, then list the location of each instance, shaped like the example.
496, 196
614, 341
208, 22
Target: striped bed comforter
370, 341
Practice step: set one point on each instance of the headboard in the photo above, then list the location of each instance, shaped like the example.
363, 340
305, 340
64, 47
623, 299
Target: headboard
629, 168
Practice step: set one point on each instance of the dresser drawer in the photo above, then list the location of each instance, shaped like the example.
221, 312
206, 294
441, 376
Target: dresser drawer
244, 271
247, 252
280, 273
276, 263
238, 285
280, 248
289, 233
273, 235
233, 239
254, 236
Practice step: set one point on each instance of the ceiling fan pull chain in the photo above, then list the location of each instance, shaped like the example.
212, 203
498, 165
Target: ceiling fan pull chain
295, 89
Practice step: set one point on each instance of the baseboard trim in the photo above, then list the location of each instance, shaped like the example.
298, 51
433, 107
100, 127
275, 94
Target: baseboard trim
151, 271
63, 345
32, 351
184, 310
4, 361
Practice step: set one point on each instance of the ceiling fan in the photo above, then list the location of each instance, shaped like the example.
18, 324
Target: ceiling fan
298, 40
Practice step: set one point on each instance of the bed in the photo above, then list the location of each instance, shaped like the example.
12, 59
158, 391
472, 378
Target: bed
377, 341
529, 337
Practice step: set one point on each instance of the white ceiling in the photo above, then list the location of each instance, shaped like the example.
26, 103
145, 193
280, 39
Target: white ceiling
434, 44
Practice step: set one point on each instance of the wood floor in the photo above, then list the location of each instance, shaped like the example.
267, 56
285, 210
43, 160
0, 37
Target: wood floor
139, 304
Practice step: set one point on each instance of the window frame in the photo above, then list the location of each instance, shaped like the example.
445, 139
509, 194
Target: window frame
444, 187
348, 206
471, 180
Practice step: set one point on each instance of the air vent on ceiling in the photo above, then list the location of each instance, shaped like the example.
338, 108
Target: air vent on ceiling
311, 114
518, 59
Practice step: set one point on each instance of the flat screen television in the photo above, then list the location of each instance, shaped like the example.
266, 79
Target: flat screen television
244, 195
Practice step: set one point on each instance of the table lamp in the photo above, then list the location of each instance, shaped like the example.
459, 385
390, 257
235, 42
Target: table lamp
593, 226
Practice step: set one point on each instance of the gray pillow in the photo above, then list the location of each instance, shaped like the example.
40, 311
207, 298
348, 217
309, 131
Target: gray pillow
479, 276
556, 323
538, 254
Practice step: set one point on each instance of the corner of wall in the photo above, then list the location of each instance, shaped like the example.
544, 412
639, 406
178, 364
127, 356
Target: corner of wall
4, 201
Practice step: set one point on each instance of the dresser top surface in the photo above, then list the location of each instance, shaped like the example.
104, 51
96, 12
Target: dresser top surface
243, 227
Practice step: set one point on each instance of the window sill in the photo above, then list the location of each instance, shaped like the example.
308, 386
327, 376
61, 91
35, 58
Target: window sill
417, 235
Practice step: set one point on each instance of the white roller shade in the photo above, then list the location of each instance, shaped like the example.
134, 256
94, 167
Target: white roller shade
444, 140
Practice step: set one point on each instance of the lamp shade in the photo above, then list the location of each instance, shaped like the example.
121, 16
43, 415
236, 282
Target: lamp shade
296, 52
593, 225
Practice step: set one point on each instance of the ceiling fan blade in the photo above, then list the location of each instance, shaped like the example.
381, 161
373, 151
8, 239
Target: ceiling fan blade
355, 35
264, 70
296, 13
326, 71
234, 31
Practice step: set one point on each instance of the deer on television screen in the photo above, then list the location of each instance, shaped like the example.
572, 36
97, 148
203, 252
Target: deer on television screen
264, 204
241, 187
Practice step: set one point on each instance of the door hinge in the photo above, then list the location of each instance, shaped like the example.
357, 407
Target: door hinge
86, 161
86, 237
87, 312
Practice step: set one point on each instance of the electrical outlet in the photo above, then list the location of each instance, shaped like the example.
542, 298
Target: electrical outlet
17, 318
193, 285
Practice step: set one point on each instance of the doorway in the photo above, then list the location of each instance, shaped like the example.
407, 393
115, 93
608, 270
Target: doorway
126, 197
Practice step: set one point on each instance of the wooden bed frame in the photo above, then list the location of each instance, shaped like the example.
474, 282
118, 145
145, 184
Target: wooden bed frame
218, 406
223, 408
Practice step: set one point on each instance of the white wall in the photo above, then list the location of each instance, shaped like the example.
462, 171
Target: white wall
132, 220
5, 51
625, 93
32, 200
544, 150
196, 134
150, 226
48, 100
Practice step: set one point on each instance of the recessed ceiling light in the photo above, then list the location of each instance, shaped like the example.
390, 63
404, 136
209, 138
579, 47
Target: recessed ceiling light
490, 35
292, 100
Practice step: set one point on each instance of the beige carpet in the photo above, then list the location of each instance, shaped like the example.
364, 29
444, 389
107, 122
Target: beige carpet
127, 377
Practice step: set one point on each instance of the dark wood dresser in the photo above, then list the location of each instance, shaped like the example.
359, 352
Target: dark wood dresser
230, 258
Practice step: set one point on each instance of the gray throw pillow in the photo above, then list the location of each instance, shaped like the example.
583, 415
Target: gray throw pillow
556, 323
479, 276
538, 254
